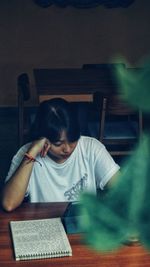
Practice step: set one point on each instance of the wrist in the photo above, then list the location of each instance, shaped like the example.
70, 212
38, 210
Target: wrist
31, 159
33, 152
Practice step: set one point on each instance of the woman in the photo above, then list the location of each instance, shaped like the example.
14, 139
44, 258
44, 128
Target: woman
59, 163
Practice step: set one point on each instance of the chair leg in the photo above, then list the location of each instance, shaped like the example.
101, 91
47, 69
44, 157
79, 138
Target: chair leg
102, 122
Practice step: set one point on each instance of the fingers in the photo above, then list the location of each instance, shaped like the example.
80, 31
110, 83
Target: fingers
45, 149
40, 146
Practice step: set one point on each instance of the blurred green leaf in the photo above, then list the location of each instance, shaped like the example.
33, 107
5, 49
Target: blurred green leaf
144, 214
134, 85
103, 229
109, 221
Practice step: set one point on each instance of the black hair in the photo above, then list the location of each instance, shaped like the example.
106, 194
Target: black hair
54, 116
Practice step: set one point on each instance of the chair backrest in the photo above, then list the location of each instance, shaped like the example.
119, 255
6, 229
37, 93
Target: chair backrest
114, 105
23, 96
116, 117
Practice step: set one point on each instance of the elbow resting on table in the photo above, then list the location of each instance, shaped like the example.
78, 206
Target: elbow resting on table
8, 205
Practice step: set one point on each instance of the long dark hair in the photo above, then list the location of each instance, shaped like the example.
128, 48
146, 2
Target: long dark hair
54, 116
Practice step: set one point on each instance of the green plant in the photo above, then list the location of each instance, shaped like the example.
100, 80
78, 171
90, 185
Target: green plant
109, 221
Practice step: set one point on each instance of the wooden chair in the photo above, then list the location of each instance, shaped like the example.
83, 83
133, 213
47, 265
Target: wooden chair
117, 126
120, 126
23, 96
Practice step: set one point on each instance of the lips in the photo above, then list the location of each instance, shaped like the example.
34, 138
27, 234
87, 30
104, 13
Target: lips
66, 155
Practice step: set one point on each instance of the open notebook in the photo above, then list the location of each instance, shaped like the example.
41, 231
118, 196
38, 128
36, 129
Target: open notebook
38, 239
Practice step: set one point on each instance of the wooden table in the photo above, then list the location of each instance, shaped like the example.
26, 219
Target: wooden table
127, 256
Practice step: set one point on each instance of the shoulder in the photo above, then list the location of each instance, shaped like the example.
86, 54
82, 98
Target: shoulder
16, 160
22, 150
90, 146
94, 150
90, 142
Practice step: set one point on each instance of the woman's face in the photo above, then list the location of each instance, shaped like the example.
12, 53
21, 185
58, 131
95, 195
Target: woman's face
62, 149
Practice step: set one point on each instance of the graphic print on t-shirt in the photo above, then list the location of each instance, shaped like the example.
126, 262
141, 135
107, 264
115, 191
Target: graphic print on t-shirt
74, 192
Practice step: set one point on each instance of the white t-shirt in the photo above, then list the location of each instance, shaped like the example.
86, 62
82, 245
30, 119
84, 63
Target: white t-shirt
89, 167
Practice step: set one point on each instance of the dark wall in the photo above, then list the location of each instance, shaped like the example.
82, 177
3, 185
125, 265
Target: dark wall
33, 37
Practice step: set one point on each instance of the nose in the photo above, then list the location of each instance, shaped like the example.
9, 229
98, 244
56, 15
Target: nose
67, 148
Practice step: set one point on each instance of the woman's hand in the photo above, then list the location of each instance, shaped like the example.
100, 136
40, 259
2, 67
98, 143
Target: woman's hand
40, 146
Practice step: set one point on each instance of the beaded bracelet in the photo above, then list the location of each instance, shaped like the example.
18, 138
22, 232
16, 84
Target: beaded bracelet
32, 158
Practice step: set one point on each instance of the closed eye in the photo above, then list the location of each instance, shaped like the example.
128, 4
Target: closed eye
57, 144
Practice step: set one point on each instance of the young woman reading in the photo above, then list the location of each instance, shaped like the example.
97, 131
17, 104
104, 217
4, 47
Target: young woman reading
59, 163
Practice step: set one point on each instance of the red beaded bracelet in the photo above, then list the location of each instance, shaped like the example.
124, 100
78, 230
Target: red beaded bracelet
32, 158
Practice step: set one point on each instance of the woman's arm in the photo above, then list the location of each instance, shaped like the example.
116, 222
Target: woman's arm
113, 179
15, 188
